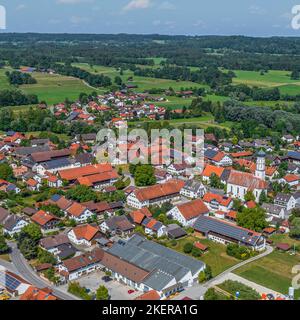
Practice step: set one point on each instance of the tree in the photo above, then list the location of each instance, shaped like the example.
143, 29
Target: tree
144, 175
102, 293
253, 219
215, 181
211, 294
33, 231
4, 248
188, 247
249, 196
6, 172
82, 193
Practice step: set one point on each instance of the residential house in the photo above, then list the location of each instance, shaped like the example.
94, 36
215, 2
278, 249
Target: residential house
117, 225
274, 210
84, 235
217, 202
218, 158
13, 224
193, 189
79, 213
286, 201
154, 227
187, 213
155, 195
44, 220
78, 266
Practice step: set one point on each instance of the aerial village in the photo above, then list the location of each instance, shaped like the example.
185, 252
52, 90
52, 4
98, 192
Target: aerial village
141, 231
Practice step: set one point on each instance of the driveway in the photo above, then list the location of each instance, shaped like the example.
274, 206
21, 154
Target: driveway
116, 290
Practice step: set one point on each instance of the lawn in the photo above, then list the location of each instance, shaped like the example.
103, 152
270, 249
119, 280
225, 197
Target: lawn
273, 271
273, 78
5, 257
56, 88
216, 256
4, 84
143, 83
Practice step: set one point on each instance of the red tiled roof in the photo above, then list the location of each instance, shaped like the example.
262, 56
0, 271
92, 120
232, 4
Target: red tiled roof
193, 209
42, 218
86, 232
224, 201
210, 169
291, 178
76, 209
159, 190
139, 215
150, 295
73, 174
246, 179
33, 293
242, 154
200, 246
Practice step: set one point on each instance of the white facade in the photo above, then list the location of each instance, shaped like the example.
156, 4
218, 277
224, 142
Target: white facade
17, 228
239, 192
79, 242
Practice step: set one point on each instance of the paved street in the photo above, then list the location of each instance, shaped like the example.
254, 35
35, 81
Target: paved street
24, 270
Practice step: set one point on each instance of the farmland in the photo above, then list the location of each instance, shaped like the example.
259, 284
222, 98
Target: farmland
275, 270
273, 78
50, 88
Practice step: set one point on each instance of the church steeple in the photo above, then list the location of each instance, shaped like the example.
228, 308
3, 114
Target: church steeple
261, 165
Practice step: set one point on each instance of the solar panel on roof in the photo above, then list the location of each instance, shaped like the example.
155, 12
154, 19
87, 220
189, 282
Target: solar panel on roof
56, 197
8, 281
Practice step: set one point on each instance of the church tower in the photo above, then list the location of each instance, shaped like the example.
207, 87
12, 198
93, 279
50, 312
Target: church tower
261, 165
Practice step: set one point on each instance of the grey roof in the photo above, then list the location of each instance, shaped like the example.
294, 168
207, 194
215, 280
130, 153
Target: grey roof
272, 208
54, 241
24, 151
193, 185
283, 197
57, 163
175, 231
210, 154
72, 116
3, 215
152, 256
39, 141
261, 154
84, 158
10, 222
66, 250
158, 280
207, 225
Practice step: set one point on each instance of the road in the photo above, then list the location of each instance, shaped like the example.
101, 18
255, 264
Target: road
198, 290
24, 270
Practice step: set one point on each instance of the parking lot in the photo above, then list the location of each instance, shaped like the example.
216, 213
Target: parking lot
116, 290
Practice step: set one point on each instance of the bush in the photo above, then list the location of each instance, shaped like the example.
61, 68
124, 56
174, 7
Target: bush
188, 247
246, 293
239, 252
79, 291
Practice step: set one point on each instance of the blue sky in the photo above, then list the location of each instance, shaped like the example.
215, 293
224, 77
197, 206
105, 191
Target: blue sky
226, 17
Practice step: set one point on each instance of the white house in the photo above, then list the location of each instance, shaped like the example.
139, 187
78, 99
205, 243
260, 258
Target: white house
193, 189
286, 201
187, 213
13, 225
83, 235
79, 212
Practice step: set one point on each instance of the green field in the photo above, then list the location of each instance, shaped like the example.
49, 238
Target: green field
216, 256
273, 271
273, 78
56, 88
51, 88
143, 83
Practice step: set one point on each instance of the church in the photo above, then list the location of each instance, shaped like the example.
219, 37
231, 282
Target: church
239, 183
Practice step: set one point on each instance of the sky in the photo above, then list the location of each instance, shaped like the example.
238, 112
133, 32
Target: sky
184, 17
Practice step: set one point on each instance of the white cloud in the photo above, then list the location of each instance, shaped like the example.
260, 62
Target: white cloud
21, 7
167, 5
138, 4
257, 10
